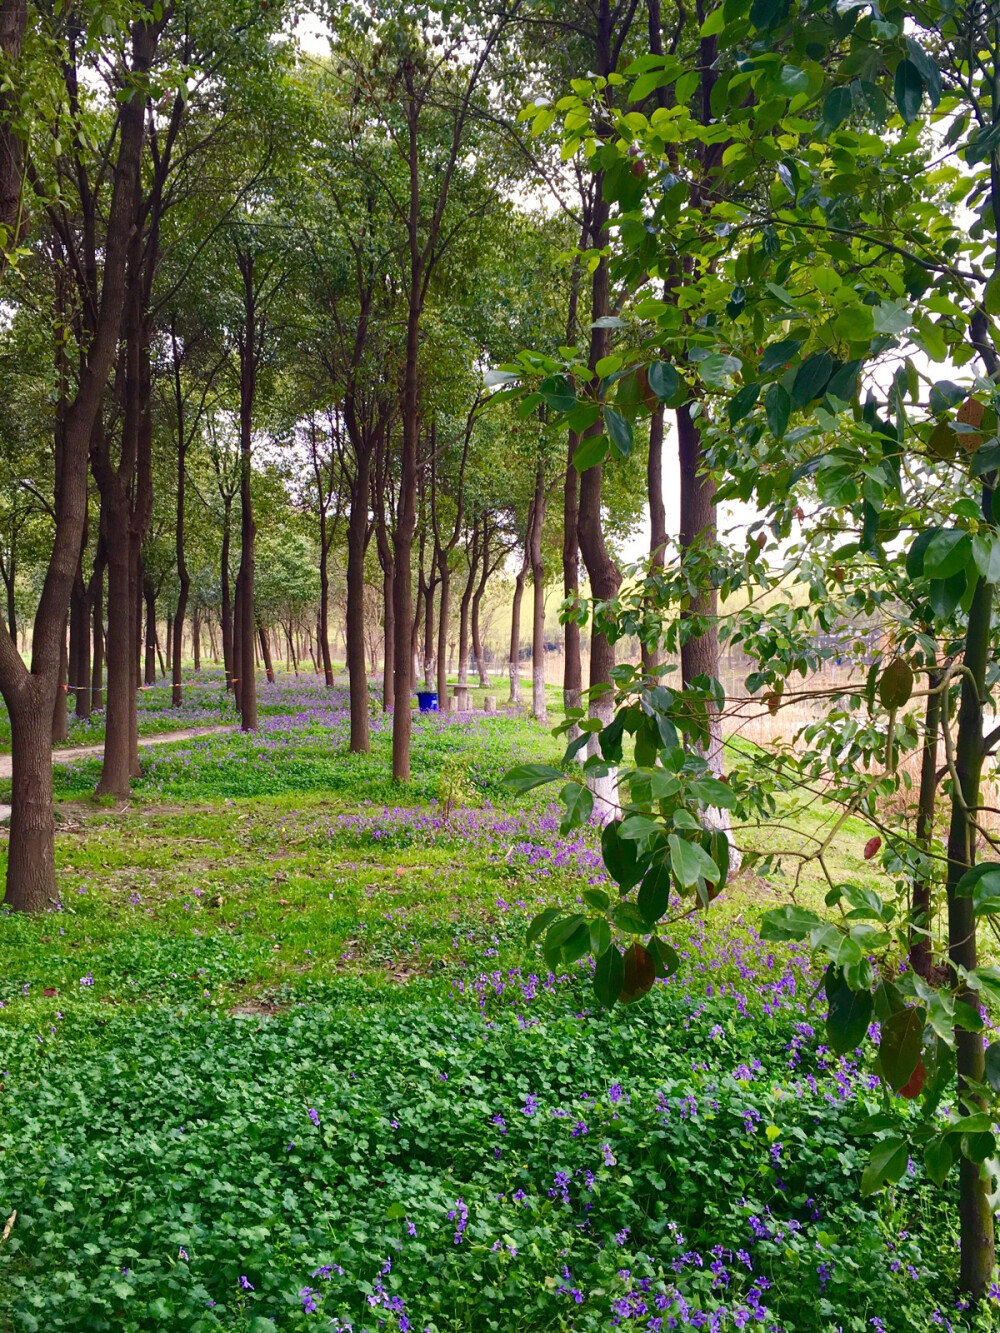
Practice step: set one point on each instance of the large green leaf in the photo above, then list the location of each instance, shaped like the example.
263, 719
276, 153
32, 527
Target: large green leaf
609, 976
908, 89
621, 857
780, 354
664, 381
848, 1015
689, 862
947, 553
742, 403
887, 1163
653, 897
899, 1047
777, 408
591, 451
788, 923
640, 973
527, 776
558, 393
811, 378
619, 428
579, 802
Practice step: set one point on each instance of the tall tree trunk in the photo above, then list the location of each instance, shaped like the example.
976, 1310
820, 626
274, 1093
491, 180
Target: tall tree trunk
477, 601
444, 612
657, 517
237, 641
196, 636
183, 577
920, 955
116, 769
357, 540
429, 631
572, 665
538, 600
265, 651
149, 596
388, 637
514, 657
97, 615
79, 642
31, 870
226, 610
249, 350
700, 653
464, 607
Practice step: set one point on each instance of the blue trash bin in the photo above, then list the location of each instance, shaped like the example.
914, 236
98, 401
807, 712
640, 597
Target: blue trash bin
427, 701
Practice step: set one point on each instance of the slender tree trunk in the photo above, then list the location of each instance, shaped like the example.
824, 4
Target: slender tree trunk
572, 665
975, 1212
429, 632
514, 656
79, 639
657, 518
11, 586
538, 707
463, 613
196, 637
149, 595
444, 612
97, 610
357, 667
388, 637
921, 960
247, 662
115, 777
477, 601
226, 612
265, 651
237, 641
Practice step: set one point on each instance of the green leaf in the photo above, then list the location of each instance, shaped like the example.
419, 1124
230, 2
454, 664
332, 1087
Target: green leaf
689, 862
991, 295
711, 791
579, 802
527, 776
896, 685
843, 383
848, 1015
600, 936
939, 1158
557, 393
664, 381
590, 452
742, 403
620, 431
540, 922
780, 354
899, 1047
597, 899
609, 976
886, 1164
653, 897
778, 408
982, 884
992, 1065
986, 554
811, 378
947, 553
621, 858
918, 548
837, 106
908, 89
787, 923
665, 957
628, 918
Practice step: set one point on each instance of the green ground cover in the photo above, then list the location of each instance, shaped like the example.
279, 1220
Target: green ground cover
283, 1061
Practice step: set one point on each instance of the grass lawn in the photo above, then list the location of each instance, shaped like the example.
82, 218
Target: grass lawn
283, 1061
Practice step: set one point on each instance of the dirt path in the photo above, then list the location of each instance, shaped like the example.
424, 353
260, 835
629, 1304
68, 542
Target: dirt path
88, 751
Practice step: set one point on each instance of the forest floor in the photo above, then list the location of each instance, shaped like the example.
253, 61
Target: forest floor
284, 1061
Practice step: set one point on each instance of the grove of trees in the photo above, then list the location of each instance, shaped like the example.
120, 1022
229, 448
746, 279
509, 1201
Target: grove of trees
303, 332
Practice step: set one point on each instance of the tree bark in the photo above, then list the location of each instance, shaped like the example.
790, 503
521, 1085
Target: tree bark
248, 528
464, 606
97, 611
60, 712
265, 651
538, 707
657, 518
514, 654
226, 612
149, 596
477, 601
920, 954
196, 636
79, 641
183, 577
357, 541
